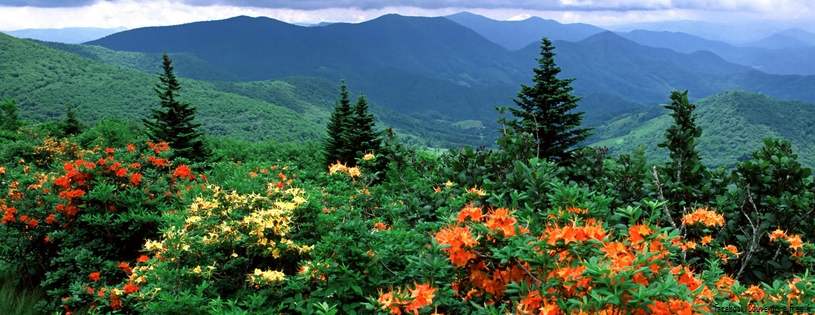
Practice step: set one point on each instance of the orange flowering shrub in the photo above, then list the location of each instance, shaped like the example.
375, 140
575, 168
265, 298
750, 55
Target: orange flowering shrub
576, 265
80, 219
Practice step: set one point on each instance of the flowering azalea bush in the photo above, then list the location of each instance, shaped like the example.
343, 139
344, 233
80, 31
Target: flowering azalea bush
126, 231
61, 225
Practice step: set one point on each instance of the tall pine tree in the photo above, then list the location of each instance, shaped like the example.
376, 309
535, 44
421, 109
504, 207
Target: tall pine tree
71, 125
547, 110
363, 139
350, 130
173, 123
337, 145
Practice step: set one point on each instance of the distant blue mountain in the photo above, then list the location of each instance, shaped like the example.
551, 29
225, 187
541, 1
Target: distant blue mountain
798, 60
515, 35
70, 35
439, 68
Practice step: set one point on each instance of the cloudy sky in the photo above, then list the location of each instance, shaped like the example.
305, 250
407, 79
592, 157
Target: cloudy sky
21, 14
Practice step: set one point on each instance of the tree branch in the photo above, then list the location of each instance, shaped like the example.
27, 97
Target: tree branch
662, 198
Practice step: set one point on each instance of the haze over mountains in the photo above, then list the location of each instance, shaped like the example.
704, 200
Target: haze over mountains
68, 35
436, 74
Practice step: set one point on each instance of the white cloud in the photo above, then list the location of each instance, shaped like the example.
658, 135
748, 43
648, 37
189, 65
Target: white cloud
139, 13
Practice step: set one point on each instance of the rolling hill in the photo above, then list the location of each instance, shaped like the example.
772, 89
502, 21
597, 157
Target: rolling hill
734, 124
44, 80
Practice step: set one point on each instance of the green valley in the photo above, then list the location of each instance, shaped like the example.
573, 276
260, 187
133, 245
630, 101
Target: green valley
733, 123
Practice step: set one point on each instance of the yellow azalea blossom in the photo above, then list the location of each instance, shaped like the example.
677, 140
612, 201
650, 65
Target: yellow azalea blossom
477, 191
368, 157
196, 270
449, 183
354, 172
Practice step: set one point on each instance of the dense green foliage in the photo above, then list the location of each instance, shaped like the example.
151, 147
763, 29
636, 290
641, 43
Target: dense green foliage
735, 124
546, 110
174, 122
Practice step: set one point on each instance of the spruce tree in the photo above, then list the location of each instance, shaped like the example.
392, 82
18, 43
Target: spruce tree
338, 145
173, 123
71, 125
363, 138
547, 110
9, 119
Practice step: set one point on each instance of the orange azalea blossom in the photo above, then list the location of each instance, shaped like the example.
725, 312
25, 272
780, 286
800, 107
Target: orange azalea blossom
388, 301
777, 234
754, 292
470, 211
530, 303
567, 234
115, 302
422, 296
380, 226
131, 147
499, 219
94, 276
130, 288
704, 216
159, 162
689, 280
182, 171
125, 267
577, 210
732, 249
795, 242
457, 237
636, 232
706, 240
136, 179
143, 259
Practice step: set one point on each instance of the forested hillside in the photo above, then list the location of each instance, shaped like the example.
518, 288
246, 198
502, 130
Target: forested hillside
44, 81
733, 123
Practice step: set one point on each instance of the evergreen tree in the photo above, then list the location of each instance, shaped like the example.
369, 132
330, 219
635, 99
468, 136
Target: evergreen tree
363, 138
9, 119
173, 123
546, 110
71, 125
337, 145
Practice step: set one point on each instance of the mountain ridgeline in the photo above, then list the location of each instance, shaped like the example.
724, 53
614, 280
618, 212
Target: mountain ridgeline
428, 78
44, 80
434, 66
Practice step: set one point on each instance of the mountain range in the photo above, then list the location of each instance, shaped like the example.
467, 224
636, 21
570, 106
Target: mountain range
436, 67
427, 77
44, 80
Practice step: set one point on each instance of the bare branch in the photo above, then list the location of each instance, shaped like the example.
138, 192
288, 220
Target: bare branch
528, 273
662, 198
754, 239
